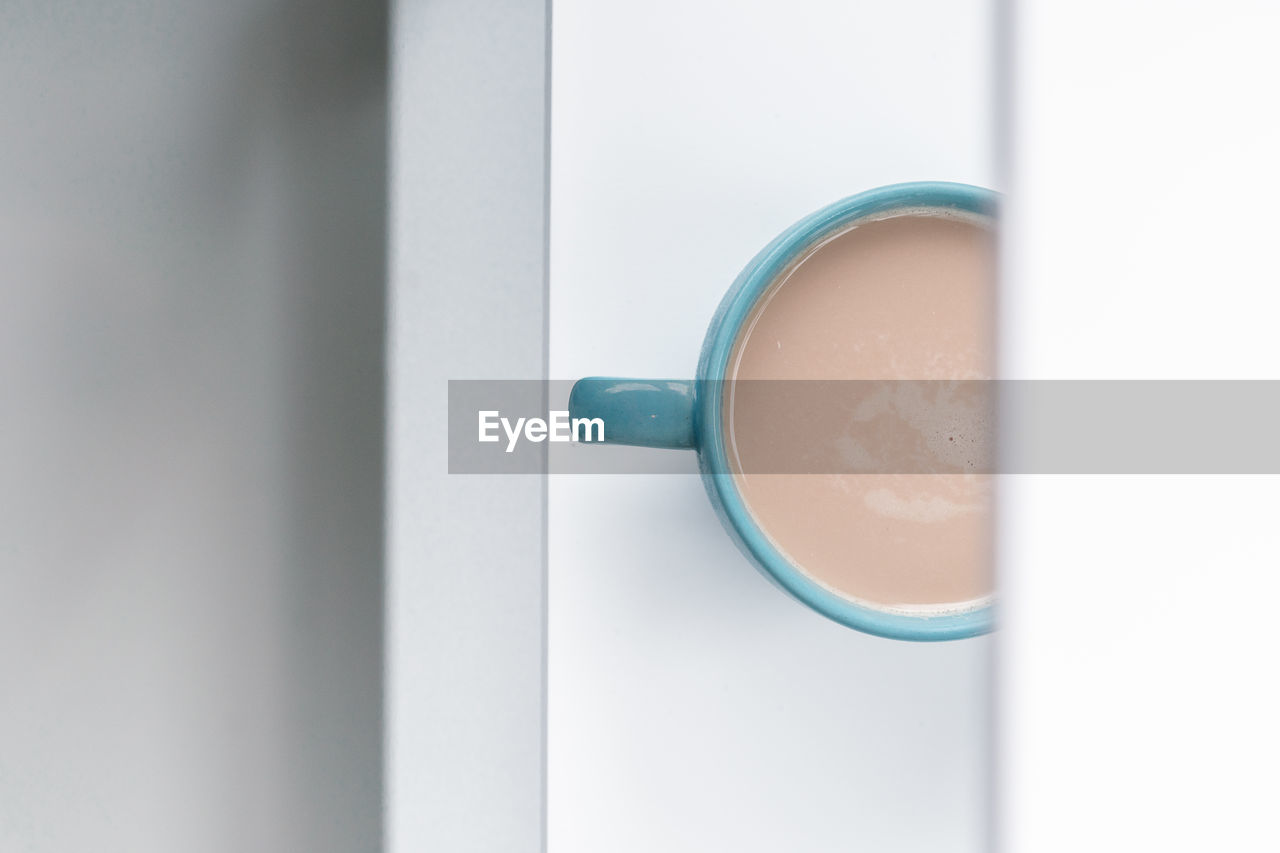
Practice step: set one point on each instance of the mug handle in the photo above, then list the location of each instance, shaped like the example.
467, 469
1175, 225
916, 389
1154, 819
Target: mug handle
639, 412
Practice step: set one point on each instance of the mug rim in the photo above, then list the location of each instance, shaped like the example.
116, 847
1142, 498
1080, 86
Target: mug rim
742, 296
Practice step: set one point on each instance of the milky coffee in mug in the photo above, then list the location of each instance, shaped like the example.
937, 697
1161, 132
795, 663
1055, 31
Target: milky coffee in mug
838, 341
906, 297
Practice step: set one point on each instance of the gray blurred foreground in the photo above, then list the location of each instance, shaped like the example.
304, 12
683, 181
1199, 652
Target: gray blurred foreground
191, 332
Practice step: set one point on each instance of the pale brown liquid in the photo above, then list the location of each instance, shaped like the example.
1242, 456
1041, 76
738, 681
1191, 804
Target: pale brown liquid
908, 297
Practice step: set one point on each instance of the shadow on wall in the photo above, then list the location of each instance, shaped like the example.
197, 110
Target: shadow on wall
192, 240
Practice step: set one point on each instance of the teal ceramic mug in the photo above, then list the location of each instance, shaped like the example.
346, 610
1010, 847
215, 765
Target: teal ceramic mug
673, 414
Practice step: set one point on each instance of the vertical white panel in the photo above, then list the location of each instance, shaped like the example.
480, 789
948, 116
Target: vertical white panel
1138, 699
465, 599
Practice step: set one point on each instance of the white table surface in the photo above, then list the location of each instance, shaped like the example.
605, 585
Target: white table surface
691, 705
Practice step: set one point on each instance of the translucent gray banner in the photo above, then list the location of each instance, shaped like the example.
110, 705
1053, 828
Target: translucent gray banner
825, 427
